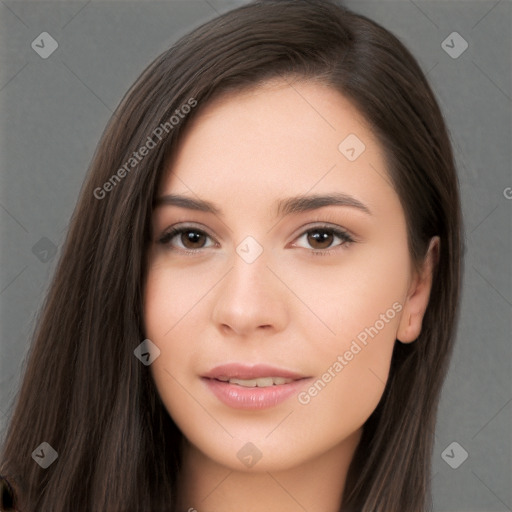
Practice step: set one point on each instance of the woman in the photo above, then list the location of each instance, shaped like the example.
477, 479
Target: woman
207, 356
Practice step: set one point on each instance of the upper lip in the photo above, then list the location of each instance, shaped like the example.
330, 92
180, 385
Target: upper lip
244, 371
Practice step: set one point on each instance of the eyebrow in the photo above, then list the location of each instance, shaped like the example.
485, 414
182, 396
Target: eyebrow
290, 205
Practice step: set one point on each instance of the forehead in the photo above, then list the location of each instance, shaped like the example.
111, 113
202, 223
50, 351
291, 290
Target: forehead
277, 139
281, 103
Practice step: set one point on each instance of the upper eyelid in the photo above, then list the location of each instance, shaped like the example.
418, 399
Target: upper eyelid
322, 225
183, 226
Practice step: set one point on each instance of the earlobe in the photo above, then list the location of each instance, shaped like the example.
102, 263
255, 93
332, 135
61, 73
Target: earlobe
418, 297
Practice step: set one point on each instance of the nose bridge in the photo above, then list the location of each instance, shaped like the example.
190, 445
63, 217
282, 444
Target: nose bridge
249, 297
248, 281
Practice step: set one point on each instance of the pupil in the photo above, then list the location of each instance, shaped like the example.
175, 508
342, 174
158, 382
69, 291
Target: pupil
190, 238
324, 238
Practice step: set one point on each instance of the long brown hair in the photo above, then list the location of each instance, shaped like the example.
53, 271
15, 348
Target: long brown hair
85, 393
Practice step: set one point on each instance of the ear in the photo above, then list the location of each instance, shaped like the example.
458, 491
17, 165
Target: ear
418, 296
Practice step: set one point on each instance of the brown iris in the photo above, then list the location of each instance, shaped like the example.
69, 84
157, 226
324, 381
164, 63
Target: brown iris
320, 236
191, 238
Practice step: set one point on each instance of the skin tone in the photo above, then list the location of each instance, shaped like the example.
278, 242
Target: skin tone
299, 305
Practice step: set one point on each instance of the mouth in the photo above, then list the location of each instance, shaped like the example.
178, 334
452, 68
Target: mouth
241, 386
261, 382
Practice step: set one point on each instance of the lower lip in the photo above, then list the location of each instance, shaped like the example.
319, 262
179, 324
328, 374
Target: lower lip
239, 397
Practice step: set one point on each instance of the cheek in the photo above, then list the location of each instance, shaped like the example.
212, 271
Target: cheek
349, 384
339, 298
167, 302
172, 303
169, 296
360, 304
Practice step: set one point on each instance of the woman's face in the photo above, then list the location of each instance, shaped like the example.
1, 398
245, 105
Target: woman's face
297, 300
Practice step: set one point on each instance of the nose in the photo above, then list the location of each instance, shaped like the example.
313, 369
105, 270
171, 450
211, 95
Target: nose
250, 300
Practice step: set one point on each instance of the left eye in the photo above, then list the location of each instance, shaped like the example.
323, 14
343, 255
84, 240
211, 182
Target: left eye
324, 237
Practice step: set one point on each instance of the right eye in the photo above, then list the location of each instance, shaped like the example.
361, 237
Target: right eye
188, 239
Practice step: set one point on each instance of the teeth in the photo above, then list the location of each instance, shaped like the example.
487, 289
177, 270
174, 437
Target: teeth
263, 382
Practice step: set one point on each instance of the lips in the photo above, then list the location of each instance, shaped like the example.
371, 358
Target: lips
252, 387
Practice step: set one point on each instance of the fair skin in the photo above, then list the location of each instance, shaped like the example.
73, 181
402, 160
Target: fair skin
289, 308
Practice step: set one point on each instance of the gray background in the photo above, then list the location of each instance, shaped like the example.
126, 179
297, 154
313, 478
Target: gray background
54, 110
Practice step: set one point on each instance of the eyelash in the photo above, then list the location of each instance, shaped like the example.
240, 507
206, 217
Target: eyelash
346, 239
